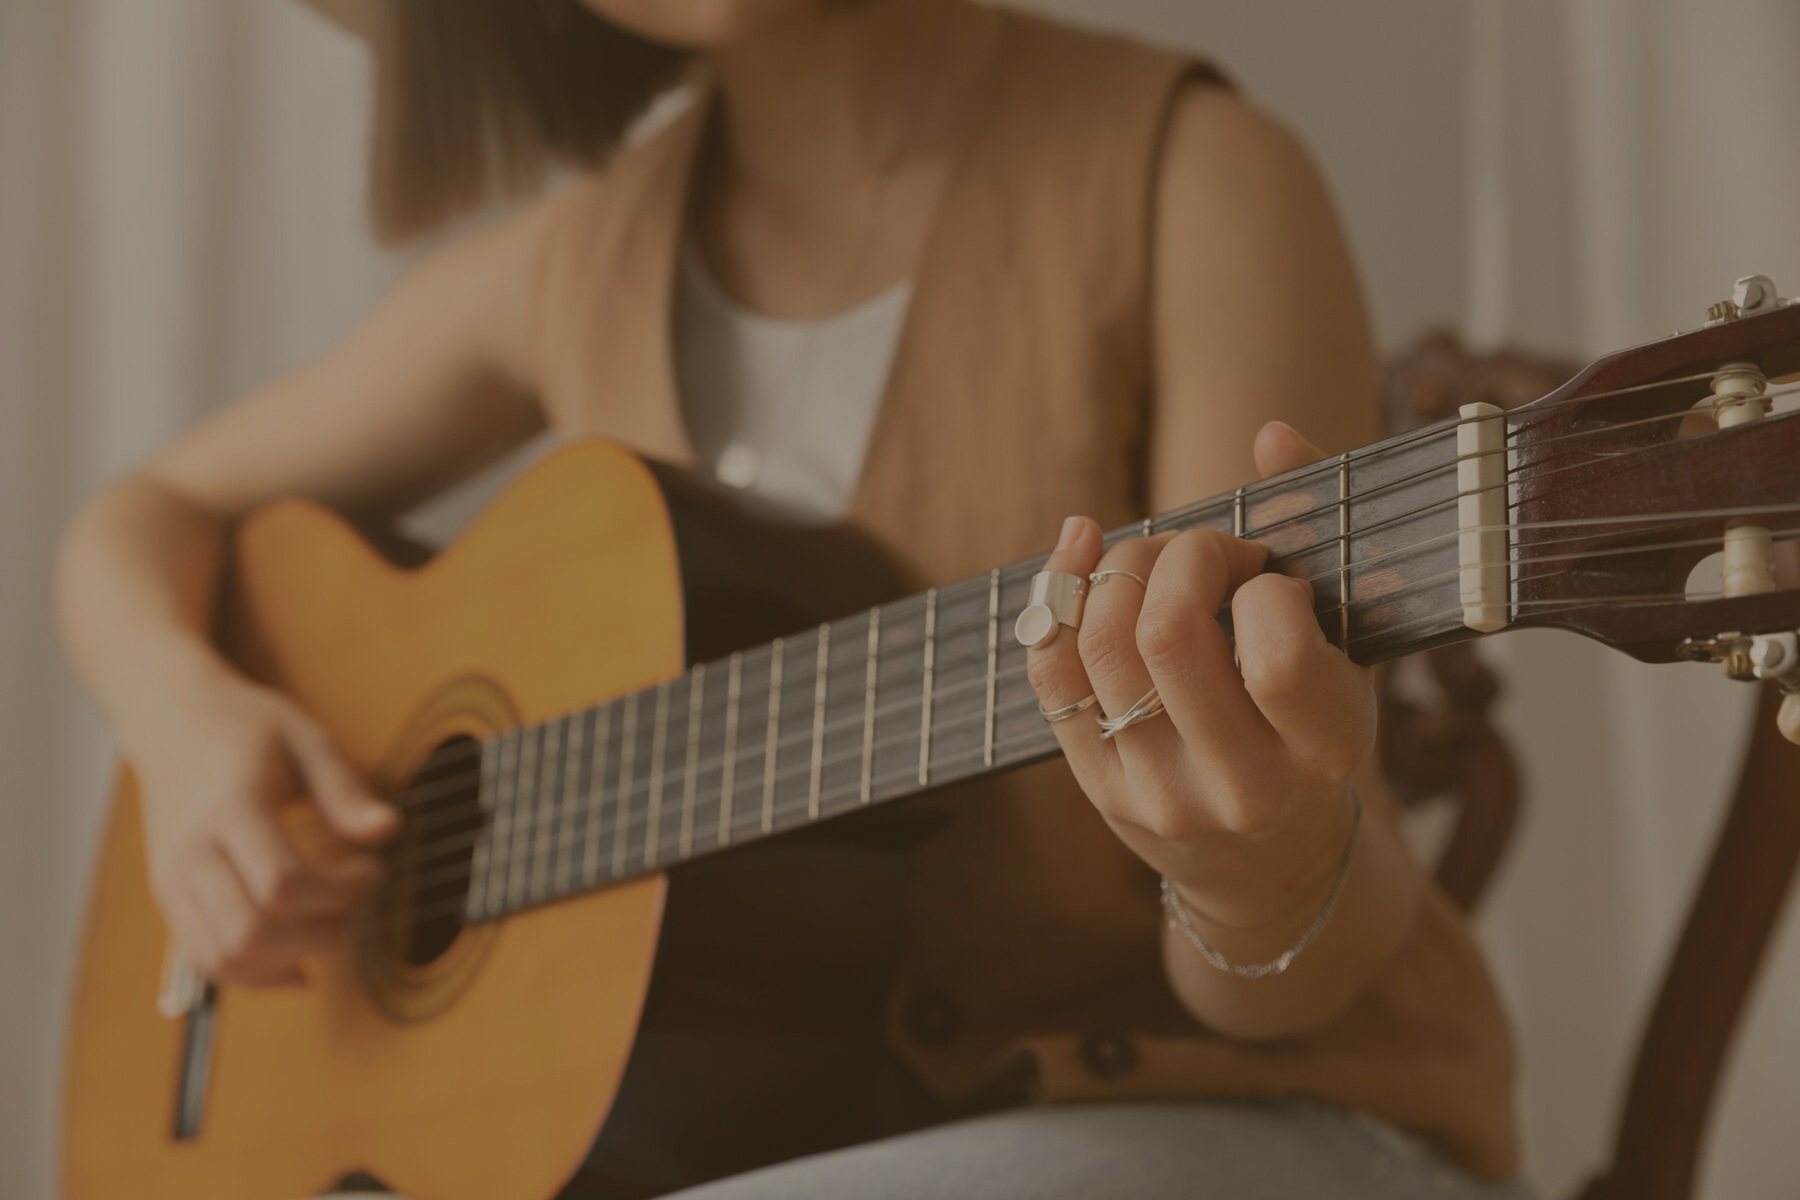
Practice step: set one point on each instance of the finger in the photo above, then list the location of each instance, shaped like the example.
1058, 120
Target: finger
1109, 652
280, 883
1189, 657
188, 929
234, 927
346, 803
1057, 673
1278, 447
1317, 701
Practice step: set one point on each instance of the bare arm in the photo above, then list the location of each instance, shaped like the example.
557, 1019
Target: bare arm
434, 383
1259, 318
1239, 791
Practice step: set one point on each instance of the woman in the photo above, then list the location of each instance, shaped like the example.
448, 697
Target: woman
952, 273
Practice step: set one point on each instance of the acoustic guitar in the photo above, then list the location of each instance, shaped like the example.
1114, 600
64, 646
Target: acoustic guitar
647, 839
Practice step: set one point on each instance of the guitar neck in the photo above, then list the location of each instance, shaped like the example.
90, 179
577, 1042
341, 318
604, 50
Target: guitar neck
922, 692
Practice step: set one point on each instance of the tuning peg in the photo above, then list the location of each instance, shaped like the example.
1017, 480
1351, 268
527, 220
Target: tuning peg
1776, 656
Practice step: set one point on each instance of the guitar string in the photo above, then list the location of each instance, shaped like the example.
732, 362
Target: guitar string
1283, 484
976, 587
560, 811
634, 787
436, 788
439, 909
977, 629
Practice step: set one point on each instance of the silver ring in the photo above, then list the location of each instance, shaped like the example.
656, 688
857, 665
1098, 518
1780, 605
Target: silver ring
1068, 710
1057, 599
1099, 577
1149, 705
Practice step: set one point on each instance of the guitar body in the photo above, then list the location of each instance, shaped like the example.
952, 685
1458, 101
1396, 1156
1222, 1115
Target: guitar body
489, 1070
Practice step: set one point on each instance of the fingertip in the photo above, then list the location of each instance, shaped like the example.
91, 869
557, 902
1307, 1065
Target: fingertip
1279, 447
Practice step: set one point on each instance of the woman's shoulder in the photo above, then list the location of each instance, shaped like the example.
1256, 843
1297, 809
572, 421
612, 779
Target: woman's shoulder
1086, 58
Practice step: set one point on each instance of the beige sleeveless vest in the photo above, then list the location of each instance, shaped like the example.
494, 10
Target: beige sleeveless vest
1018, 396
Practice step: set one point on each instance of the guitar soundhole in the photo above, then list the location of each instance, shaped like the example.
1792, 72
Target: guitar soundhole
434, 857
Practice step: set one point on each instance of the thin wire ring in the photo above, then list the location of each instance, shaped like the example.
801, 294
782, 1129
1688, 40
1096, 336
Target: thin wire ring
1149, 705
1099, 577
1068, 710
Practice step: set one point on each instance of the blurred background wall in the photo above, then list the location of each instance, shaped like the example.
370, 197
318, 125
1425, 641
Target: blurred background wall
180, 191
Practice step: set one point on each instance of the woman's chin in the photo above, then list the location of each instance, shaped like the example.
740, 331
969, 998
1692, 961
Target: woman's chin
701, 24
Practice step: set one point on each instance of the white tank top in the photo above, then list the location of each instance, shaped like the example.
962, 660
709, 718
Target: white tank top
782, 409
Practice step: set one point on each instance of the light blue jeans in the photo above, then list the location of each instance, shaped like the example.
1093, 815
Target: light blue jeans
1190, 1150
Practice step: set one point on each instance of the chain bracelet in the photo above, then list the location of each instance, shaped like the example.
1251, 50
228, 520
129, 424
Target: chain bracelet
1179, 919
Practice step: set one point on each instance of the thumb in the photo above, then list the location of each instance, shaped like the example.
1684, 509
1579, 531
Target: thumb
343, 799
1279, 447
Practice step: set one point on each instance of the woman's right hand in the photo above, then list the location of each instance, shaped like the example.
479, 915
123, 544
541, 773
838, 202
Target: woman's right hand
243, 904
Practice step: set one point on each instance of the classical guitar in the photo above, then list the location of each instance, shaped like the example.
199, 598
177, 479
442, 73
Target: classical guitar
608, 791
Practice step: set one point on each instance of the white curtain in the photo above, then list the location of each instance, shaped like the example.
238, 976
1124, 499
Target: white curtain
180, 191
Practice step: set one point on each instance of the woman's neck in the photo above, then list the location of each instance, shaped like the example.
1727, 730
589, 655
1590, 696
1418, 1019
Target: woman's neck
827, 100
817, 185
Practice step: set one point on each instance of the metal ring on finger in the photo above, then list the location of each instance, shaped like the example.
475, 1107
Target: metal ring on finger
1100, 577
1057, 598
1068, 710
1149, 705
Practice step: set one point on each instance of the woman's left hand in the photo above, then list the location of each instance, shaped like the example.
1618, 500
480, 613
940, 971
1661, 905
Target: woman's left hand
1240, 792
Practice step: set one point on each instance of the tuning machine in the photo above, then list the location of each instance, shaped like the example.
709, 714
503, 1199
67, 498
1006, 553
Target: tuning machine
1750, 295
1757, 657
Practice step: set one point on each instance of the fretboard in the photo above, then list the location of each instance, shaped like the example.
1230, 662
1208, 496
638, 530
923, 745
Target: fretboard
923, 692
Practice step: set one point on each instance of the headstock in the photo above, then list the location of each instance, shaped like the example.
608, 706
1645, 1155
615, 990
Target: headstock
1651, 460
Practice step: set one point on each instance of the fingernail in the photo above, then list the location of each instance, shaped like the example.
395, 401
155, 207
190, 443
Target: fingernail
1070, 529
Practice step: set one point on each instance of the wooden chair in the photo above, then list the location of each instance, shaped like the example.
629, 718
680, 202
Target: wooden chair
1448, 747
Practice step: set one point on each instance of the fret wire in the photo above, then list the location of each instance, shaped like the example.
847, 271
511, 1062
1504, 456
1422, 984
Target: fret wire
774, 729
733, 686
1237, 513
659, 745
478, 861
550, 742
821, 669
627, 753
696, 694
869, 682
527, 766
597, 806
993, 660
565, 856
1344, 549
931, 597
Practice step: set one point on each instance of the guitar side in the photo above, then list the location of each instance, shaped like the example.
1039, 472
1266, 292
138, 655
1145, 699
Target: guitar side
487, 1072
